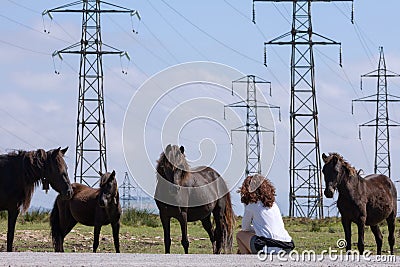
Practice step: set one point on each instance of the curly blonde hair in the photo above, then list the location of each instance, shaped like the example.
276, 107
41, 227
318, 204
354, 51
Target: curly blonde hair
257, 188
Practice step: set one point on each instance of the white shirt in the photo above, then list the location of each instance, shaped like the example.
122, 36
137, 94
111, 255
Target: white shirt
265, 221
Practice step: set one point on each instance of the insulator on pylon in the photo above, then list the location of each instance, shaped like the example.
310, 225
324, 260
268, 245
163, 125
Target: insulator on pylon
265, 56
254, 13
340, 57
352, 12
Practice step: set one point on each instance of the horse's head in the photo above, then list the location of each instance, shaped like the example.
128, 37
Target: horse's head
56, 173
172, 165
332, 171
109, 189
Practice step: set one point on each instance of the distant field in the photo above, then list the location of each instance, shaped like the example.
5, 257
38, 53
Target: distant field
142, 233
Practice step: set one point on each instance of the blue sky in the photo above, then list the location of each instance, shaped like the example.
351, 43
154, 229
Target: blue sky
39, 107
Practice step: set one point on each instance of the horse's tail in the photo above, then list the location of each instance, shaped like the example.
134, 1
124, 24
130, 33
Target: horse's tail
56, 234
228, 225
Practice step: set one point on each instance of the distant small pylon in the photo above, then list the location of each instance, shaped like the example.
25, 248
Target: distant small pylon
128, 193
382, 123
252, 126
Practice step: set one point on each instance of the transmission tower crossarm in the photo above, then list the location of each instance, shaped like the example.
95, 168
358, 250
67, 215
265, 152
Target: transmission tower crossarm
66, 8
375, 74
303, 1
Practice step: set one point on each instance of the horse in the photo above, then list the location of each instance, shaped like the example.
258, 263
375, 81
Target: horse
20, 172
88, 206
364, 201
190, 195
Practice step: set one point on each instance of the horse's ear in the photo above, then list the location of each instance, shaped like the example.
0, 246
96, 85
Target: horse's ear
101, 174
63, 151
182, 149
168, 149
56, 151
112, 174
324, 157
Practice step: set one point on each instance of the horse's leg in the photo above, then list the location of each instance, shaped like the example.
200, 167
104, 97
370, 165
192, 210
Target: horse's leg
207, 225
391, 222
361, 229
378, 238
97, 229
217, 212
115, 230
67, 223
166, 221
12, 220
347, 232
183, 222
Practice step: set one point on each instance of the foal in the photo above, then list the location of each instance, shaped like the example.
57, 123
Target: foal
88, 206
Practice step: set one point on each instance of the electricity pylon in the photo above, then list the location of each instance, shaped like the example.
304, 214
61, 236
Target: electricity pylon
305, 196
128, 190
382, 122
252, 127
91, 156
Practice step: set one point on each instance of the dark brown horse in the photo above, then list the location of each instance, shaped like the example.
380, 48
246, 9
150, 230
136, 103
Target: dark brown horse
88, 206
191, 195
364, 201
21, 172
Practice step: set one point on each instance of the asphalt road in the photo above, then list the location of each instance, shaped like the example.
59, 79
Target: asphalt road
124, 259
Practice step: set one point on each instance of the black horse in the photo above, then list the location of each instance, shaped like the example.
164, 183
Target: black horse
89, 206
20, 172
191, 195
364, 201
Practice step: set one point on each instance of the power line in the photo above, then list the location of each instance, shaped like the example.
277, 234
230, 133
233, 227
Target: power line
210, 36
27, 127
24, 48
176, 31
31, 28
161, 43
139, 43
17, 137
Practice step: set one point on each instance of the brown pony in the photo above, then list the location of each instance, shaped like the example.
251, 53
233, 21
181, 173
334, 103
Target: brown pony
191, 195
364, 201
88, 206
21, 172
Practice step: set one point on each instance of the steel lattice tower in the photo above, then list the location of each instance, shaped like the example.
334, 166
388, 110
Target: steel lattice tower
305, 196
127, 192
382, 123
91, 156
252, 127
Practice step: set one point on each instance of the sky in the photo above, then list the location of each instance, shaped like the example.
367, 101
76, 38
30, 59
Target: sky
39, 107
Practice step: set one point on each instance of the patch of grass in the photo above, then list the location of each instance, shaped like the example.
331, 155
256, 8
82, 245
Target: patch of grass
315, 226
3, 215
36, 215
136, 218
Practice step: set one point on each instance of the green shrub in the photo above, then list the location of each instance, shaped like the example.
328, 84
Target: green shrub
137, 218
315, 226
35, 215
3, 215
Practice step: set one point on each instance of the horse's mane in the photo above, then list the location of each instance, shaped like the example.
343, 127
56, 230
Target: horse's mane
352, 171
28, 166
164, 162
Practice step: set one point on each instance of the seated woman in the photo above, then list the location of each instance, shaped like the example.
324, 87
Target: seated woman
262, 224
